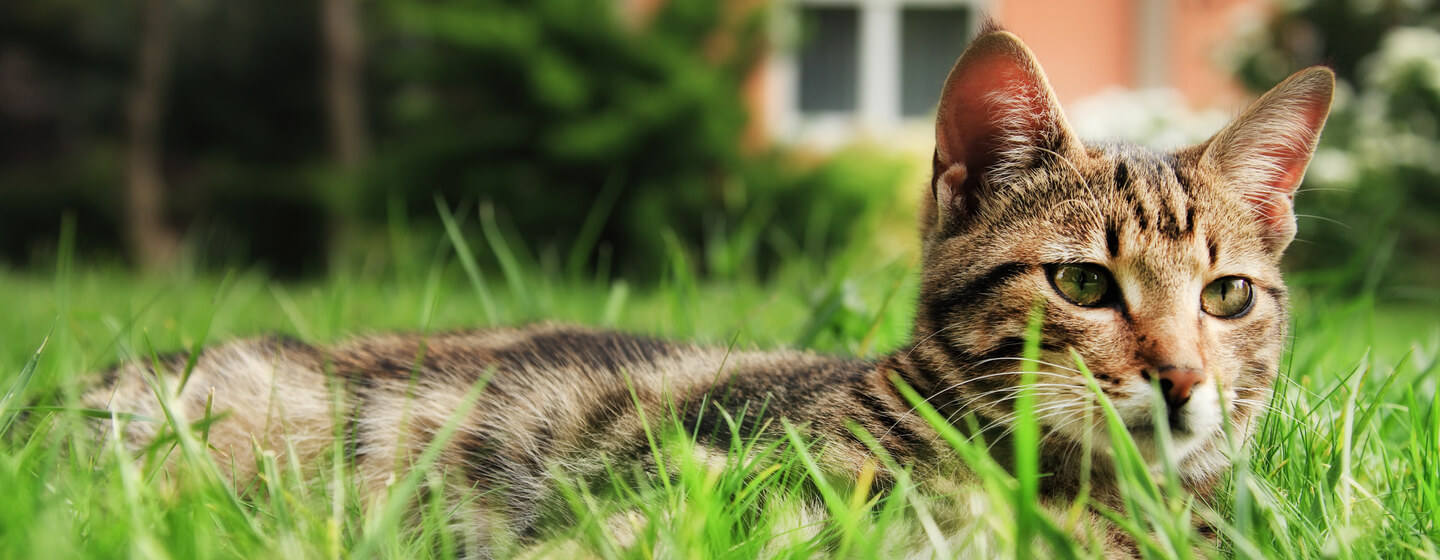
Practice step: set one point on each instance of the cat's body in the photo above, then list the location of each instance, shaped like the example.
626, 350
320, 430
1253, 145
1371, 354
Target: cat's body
1146, 265
552, 397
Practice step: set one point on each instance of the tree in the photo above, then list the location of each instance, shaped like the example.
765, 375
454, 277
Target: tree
151, 240
344, 93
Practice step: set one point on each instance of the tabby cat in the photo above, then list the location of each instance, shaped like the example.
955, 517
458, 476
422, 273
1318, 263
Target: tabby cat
1153, 267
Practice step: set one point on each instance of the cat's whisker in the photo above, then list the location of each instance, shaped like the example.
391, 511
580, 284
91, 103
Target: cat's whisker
1058, 429
1016, 388
991, 423
998, 396
998, 374
927, 338
1014, 395
1021, 387
1325, 219
1040, 414
1087, 409
1269, 408
1009, 417
1021, 359
937, 394
1014, 392
971, 367
965, 407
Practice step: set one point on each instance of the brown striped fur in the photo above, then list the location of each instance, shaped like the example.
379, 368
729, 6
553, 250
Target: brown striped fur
1014, 194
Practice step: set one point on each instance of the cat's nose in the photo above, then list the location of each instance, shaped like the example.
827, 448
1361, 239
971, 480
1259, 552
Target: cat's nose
1176, 383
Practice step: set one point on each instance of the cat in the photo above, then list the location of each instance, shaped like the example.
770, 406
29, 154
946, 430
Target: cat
1153, 267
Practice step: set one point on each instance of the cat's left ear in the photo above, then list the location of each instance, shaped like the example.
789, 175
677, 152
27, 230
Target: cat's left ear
1264, 152
997, 119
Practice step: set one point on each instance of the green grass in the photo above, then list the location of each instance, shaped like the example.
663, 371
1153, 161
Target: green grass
1345, 465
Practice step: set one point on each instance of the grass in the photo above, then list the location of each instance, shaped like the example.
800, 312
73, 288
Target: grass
1344, 466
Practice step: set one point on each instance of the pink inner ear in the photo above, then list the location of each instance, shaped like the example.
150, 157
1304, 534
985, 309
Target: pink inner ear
1273, 202
996, 100
1291, 158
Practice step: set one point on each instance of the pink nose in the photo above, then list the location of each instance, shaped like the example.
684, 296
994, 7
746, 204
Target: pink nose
1177, 383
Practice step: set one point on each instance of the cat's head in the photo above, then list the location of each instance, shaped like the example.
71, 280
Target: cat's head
1146, 264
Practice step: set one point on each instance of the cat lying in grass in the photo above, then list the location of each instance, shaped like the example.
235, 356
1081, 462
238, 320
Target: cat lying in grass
1154, 269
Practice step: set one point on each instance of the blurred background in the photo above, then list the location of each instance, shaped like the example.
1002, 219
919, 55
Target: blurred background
302, 137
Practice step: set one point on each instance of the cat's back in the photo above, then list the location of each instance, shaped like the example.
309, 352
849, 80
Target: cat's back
519, 397
549, 361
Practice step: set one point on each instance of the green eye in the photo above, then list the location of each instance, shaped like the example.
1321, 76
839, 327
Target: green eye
1227, 297
1083, 284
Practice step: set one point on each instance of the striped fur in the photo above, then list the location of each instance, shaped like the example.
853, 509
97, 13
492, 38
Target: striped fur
1014, 194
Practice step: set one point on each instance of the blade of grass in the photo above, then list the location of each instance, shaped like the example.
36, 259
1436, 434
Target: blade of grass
467, 260
682, 286
91, 413
868, 341
199, 345
590, 229
509, 265
1375, 405
615, 303
397, 500
822, 312
27, 372
191, 450
292, 311
398, 234
1027, 438
64, 261
835, 502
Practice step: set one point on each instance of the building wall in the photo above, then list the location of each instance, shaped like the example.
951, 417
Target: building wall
1085, 46
1201, 29
1088, 46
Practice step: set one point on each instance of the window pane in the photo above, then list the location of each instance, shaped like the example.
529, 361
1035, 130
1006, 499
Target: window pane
931, 39
829, 55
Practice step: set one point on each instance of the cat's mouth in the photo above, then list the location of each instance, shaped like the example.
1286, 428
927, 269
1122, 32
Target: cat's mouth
1177, 423
1185, 427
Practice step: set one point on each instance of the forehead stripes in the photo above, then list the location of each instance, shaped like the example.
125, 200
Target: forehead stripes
1112, 239
1158, 196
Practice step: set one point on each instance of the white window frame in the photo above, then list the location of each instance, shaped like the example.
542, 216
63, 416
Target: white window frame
877, 89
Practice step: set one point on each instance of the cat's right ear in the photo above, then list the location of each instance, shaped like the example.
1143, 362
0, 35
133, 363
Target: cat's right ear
997, 117
1264, 153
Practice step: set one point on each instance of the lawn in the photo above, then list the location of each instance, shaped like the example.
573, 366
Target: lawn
1345, 465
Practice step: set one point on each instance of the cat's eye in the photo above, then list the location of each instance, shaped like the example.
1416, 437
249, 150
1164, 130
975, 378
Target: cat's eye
1083, 284
1227, 297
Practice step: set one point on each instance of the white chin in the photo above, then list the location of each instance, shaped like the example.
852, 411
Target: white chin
1197, 429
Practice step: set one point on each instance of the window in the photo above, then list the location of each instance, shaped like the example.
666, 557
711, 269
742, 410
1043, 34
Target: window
931, 38
829, 59
874, 65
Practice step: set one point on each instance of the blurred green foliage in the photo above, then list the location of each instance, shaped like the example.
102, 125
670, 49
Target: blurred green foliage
244, 133
1373, 190
593, 137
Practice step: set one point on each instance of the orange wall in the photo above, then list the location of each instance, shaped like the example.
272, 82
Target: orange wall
1085, 46
1200, 28
1088, 46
